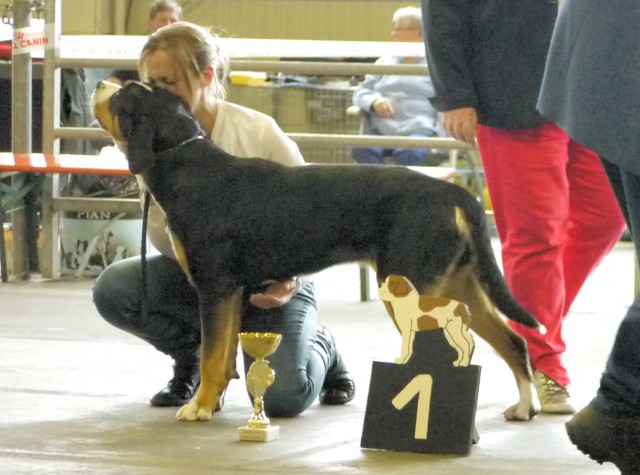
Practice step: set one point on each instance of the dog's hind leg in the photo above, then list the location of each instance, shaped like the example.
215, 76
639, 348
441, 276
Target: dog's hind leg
512, 348
492, 328
220, 326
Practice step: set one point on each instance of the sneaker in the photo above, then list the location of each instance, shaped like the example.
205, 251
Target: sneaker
607, 438
554, 399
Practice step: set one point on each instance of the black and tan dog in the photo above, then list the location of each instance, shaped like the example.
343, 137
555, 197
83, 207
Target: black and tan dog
239, 222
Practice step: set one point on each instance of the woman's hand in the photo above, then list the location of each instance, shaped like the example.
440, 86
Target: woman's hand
461, 124
382, 107
275, 295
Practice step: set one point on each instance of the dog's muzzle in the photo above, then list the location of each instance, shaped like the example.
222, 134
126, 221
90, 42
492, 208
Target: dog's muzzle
100, 101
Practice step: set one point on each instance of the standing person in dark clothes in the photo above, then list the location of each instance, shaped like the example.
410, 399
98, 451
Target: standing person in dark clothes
555, 211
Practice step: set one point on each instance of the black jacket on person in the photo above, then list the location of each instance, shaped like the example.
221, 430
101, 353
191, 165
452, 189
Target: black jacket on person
489, 54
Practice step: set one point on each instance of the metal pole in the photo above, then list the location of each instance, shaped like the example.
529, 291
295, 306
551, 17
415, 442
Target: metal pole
120, 18
21, 85
50, 144
20, 132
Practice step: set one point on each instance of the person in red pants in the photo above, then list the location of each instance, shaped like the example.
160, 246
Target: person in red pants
555, 211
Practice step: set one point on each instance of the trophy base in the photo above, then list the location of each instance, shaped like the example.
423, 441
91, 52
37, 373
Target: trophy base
259, 435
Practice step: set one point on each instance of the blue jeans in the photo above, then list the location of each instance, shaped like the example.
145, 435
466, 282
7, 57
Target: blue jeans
173, 326
399, 156
619, 392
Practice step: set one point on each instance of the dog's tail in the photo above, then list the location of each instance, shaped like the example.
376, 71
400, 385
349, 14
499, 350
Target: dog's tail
489, 273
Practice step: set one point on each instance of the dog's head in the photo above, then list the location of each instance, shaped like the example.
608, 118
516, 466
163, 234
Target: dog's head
143, 120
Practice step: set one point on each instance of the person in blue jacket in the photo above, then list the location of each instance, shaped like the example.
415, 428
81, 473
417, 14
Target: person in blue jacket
591, 88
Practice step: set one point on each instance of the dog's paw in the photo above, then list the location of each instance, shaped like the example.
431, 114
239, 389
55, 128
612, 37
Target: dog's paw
518, 413
194, 412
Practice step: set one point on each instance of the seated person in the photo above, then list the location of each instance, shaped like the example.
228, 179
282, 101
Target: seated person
398, 105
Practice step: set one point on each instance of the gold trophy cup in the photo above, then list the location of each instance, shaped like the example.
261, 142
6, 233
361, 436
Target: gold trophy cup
259, 377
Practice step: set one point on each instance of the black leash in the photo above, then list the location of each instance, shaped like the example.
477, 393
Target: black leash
144, 295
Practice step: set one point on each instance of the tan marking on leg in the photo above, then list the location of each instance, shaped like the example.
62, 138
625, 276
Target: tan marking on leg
218, 359
464, 287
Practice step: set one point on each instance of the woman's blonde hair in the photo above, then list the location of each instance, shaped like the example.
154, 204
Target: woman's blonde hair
192, 49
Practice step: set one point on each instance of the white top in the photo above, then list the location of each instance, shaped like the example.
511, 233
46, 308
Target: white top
242, 132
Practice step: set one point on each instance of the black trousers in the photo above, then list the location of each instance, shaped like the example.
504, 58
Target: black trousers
619, 391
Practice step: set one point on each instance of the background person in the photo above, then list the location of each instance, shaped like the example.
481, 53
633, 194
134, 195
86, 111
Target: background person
554, 208
606, 120
184, 59
398, 105
161, 13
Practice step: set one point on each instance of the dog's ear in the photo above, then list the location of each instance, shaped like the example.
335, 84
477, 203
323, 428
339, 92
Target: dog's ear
399, 286
140, 145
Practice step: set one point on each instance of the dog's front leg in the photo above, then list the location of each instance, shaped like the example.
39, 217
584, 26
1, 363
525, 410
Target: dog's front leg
220, 320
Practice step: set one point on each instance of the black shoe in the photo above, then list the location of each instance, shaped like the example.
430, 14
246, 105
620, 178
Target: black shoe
606, 438
338, 387
181, 388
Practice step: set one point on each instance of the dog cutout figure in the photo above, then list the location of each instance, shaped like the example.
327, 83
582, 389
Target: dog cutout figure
237, 222
414, 312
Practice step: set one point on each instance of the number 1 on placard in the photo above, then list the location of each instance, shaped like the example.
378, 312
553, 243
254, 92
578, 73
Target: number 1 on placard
421, 385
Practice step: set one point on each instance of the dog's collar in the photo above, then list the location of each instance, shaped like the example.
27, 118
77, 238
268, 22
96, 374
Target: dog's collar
180, 145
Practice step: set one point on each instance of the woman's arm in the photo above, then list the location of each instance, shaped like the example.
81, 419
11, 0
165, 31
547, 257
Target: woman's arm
280, 148
365, 94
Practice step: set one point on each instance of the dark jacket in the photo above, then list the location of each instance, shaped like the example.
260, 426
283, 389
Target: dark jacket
489, 54
592, 83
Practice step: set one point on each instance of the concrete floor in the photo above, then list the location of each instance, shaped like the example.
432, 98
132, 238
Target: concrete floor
75, 393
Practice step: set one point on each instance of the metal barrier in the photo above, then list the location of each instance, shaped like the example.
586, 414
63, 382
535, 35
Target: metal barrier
52, 131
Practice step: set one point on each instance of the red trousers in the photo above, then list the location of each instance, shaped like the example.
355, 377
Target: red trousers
556, 217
